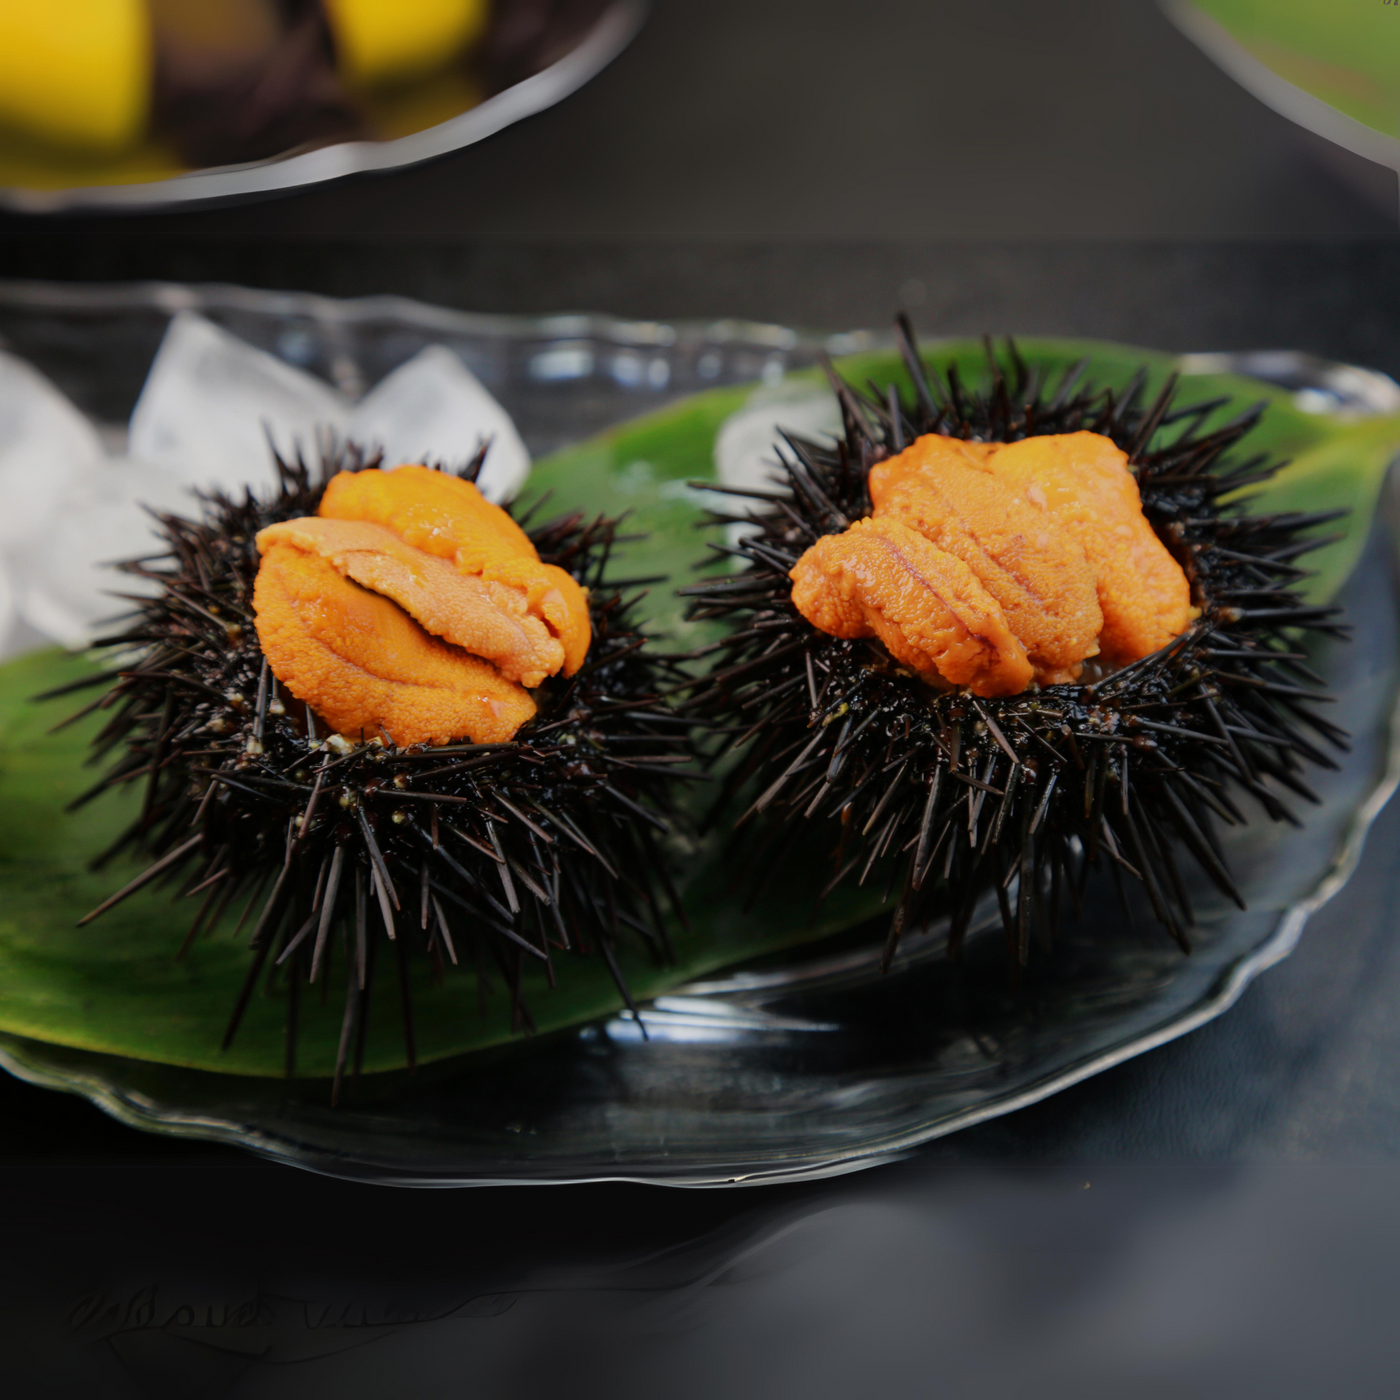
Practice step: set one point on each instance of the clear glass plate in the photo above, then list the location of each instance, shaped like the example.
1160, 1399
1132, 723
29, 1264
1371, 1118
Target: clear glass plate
805, 1065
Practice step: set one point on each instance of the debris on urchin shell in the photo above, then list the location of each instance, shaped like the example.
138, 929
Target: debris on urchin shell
488, 855
941, 794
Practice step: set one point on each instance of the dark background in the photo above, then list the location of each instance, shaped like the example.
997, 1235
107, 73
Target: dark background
1219, 1215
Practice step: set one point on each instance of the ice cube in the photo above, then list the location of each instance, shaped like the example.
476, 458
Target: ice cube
434, 409
746, 447
64, 581
203, 420
211, 401
44, 444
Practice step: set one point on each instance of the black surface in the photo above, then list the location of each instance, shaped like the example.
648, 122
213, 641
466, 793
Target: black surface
815, 164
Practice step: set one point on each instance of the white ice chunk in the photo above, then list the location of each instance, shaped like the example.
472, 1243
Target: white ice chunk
435, 409
211, 400
45, 443
746, 448
64, 581
203, 419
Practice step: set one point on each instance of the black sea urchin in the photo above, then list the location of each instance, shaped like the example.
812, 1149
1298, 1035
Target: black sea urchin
485, 854
946, 795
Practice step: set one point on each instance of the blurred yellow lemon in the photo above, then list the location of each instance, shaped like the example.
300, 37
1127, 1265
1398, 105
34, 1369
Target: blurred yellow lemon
380, 41
76, 72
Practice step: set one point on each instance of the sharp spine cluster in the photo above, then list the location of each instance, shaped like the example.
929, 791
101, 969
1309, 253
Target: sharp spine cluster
946, 796
492, 855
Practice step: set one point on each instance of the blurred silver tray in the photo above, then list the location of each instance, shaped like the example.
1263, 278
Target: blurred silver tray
610, 34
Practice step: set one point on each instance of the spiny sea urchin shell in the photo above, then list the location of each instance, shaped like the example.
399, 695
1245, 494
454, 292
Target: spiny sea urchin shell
945, 795
483, 854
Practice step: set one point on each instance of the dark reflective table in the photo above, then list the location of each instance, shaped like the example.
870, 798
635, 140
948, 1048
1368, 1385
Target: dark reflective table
1216, 1217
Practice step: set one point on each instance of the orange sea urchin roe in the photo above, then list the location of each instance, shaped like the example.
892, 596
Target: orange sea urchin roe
448, 517
412, 608
489, 620
880, 578
1051, 532
1082, 483
369, 669
941, 488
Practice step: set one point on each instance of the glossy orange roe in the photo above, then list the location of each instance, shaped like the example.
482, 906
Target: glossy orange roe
1037, 573
367, 668
1055, 563
448, 517
882, 579
413, 609
1081, 483
489, 620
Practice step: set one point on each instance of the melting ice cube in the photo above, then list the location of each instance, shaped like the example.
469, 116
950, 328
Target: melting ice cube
435, 409
746, 447
64, 582
45, 445
209, 406
212, 401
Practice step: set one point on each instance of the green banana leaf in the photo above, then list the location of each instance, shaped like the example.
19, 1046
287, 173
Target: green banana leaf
117, 986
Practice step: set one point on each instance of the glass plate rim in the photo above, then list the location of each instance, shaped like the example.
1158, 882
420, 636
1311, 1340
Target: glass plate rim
170, 298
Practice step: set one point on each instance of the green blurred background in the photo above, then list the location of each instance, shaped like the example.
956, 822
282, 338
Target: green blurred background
1345, 52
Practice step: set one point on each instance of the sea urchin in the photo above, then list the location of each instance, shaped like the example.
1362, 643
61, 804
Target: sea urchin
492, 854
1020, 759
